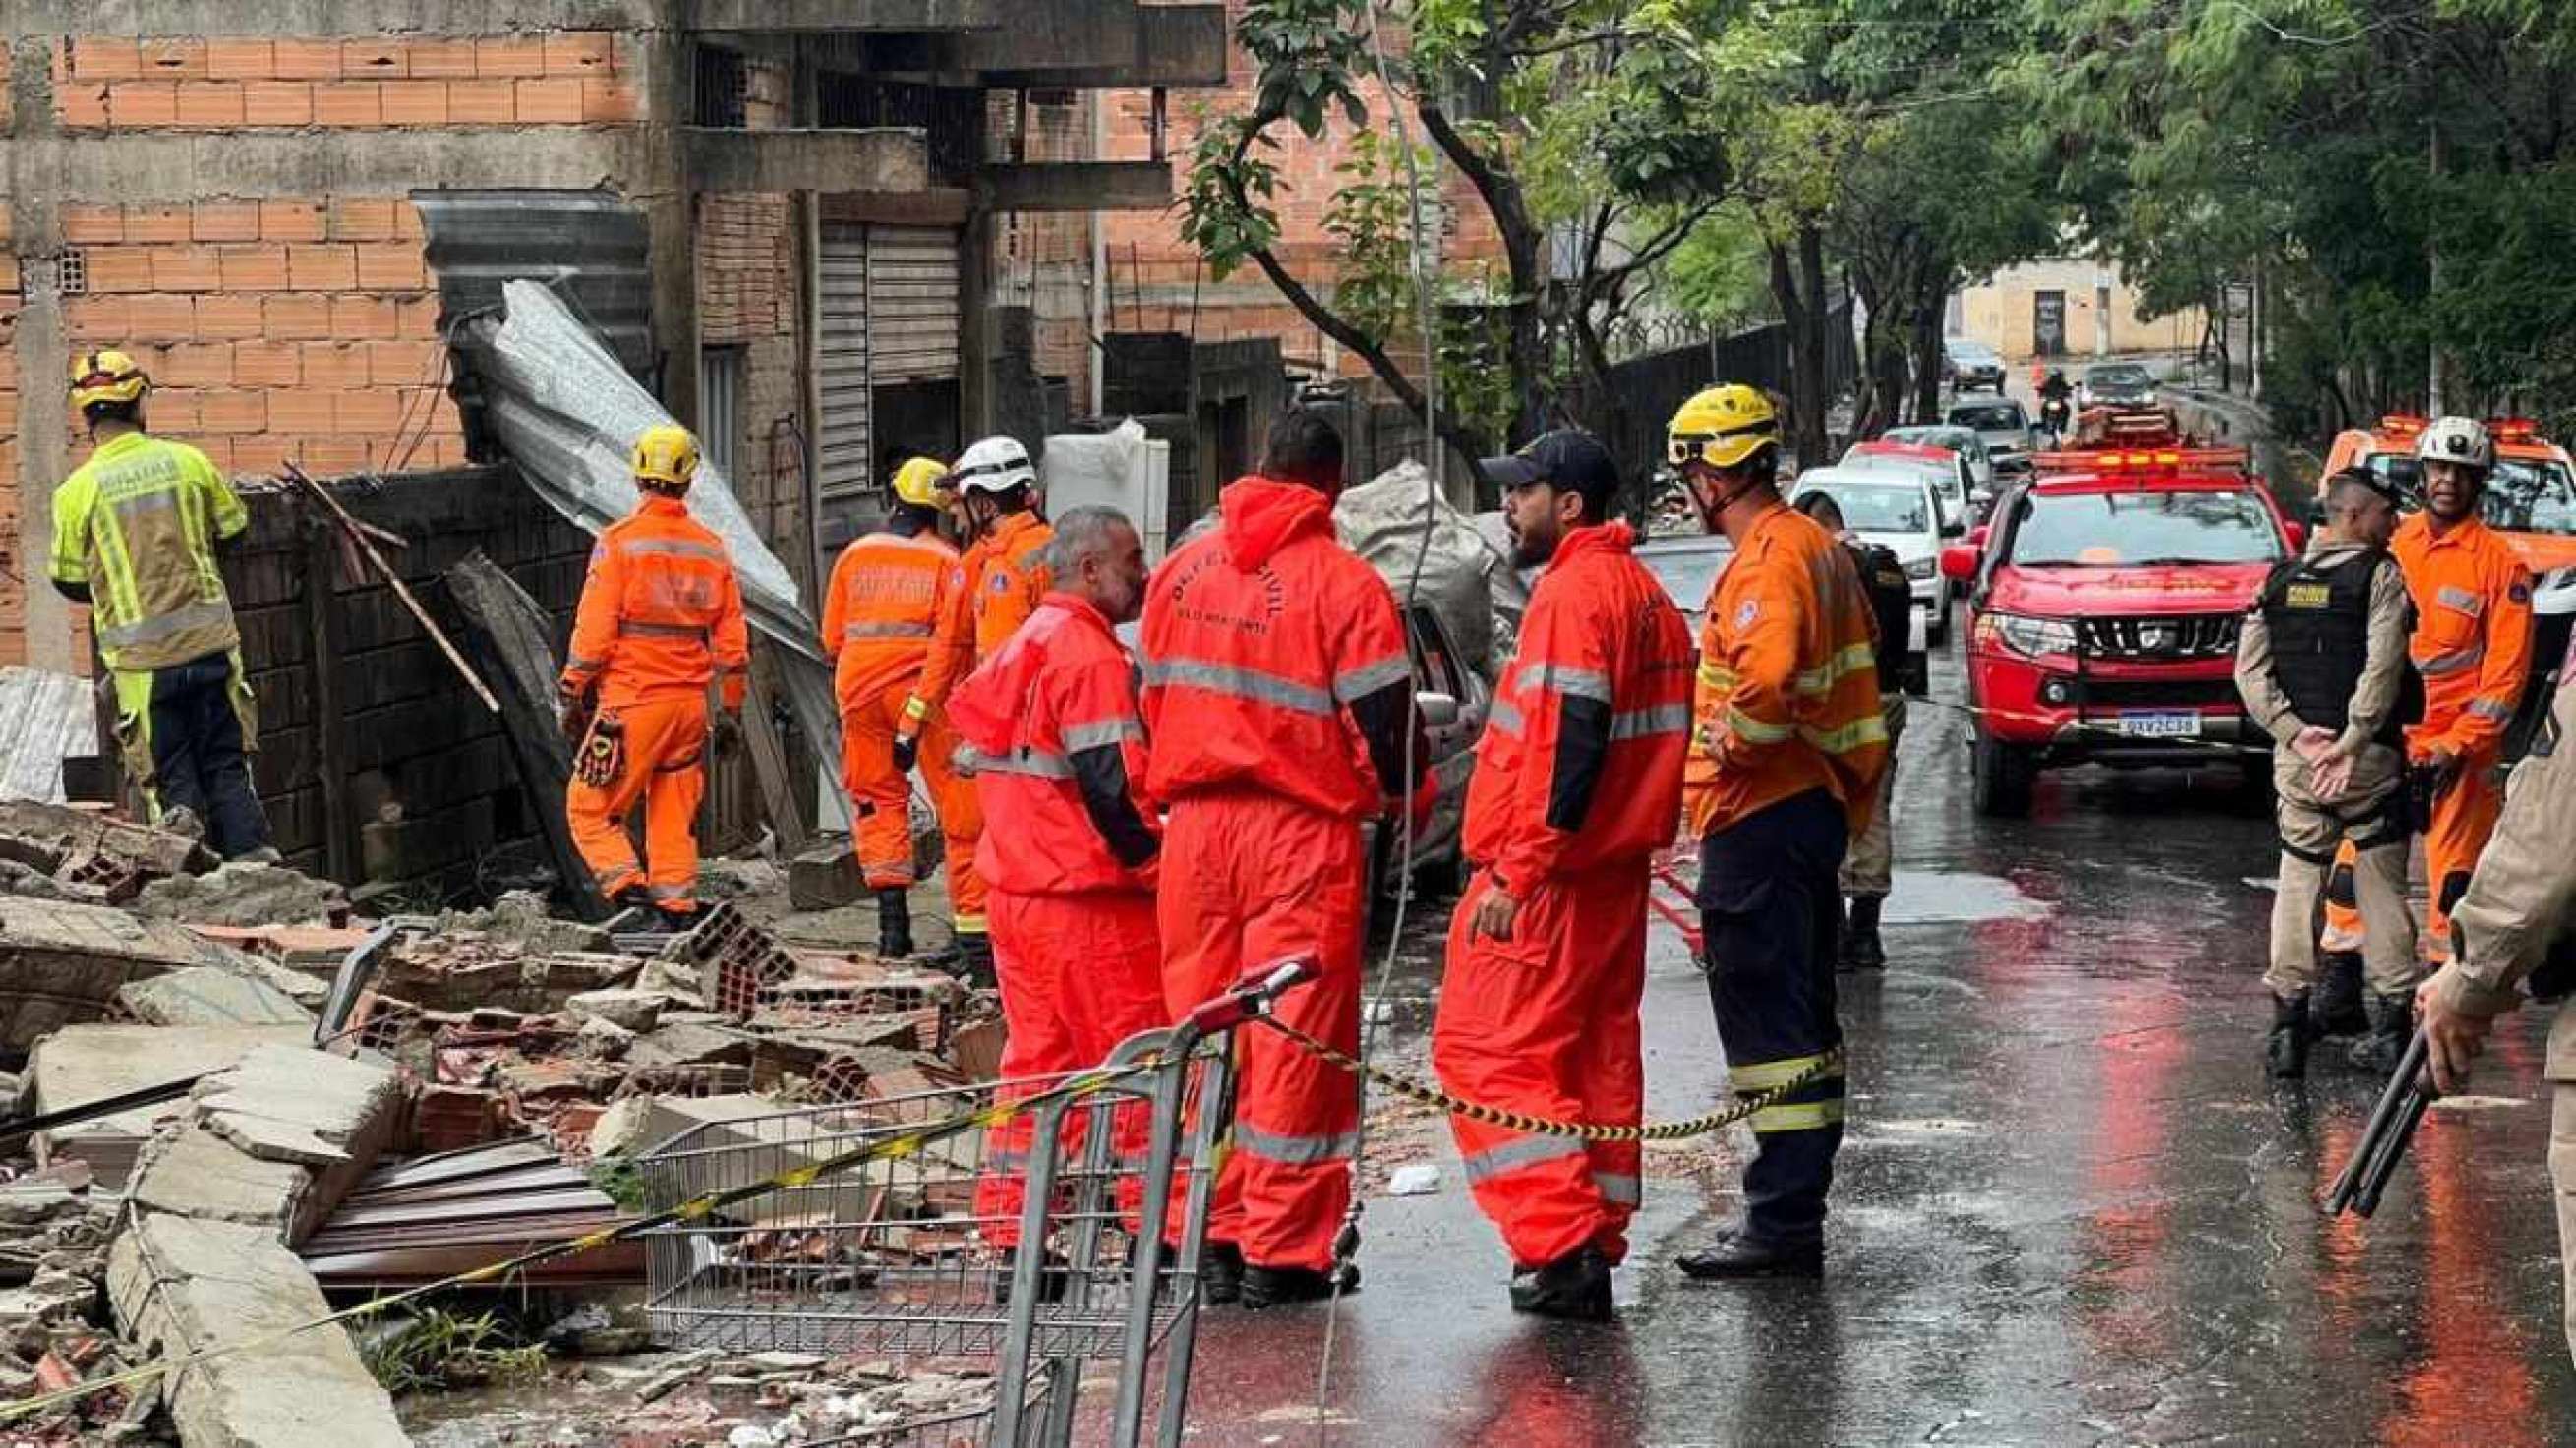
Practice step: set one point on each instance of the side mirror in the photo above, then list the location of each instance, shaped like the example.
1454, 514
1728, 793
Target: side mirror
1977, 535
2297, 533
1959, 562
1439, 711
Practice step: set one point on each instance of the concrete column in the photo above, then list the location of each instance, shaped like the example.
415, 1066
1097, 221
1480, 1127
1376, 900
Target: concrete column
43, 354
663, 189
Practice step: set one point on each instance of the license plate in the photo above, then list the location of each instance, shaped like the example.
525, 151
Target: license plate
2160, 726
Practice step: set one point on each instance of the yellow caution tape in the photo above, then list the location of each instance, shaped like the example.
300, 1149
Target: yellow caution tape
695, 1209
1828, 1064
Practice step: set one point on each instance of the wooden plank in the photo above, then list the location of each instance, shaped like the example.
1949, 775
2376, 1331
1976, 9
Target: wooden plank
769, 753
329, 720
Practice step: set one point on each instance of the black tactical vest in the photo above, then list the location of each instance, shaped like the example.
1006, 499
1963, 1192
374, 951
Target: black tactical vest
2319, 620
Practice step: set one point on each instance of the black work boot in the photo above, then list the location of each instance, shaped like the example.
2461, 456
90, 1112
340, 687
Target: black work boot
2336, 1010
1575, 1288
2392, 1021
1283, 1286
974, 961
1220, 1274
1737, 1257
1861, 947
2285, 1051
894, 922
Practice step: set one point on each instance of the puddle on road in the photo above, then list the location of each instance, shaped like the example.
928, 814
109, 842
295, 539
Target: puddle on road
1940, 897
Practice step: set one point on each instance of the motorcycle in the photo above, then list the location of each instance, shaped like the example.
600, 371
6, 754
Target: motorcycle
2055, 415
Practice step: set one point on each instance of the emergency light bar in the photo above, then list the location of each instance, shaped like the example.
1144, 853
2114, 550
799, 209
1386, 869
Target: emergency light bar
2513, 429
2160, 460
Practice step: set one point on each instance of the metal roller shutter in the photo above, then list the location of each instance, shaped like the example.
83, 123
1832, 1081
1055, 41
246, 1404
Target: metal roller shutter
843, 453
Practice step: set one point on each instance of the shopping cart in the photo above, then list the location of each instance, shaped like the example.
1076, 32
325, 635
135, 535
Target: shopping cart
910, 1254
1670, 893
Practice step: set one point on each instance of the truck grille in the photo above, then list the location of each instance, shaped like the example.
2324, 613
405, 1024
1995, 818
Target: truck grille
2200, 636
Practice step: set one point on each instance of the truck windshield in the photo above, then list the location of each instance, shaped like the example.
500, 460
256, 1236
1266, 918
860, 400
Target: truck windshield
2107, 530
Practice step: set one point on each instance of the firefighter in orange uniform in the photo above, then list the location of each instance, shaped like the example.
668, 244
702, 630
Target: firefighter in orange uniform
992, 591
1783, 771
1279, 697
1069, 848
1577, 784
660, 620
888, 593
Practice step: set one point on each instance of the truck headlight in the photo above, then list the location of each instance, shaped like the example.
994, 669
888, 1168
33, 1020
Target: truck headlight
2029, 637
1921, 568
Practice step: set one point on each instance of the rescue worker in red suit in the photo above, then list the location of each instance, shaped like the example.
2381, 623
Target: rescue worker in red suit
889, 591
1279, 697
1577, 783
660, 619
1069, 846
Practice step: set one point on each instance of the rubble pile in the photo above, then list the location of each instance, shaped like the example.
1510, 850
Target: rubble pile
243, 1081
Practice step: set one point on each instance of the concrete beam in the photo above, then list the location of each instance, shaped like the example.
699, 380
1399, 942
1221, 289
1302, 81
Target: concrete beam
1104, 34
180, 166
1078, 186
1178, 47
876, 160
843, 17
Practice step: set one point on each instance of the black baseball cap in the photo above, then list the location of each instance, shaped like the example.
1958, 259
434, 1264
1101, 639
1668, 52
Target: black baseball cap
1568, 459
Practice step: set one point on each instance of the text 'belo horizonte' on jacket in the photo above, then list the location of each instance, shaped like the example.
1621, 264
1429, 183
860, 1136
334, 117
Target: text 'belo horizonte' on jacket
1274, 661
137, 523
1581, 761
1788, 680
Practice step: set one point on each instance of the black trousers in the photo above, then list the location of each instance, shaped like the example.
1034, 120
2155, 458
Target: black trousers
1771, 909
198, 762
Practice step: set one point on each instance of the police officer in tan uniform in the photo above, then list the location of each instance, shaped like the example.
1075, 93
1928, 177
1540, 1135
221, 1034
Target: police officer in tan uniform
2520, 900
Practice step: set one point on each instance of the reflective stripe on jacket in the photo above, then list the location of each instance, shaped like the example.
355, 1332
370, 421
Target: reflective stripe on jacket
1788, 680
887, 595
2472, 641
138, 524
994, 588
1581, 760
1266, 644
661, 612
1060, 764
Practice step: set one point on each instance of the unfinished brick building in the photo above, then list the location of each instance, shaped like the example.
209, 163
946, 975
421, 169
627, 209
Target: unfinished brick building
784, 213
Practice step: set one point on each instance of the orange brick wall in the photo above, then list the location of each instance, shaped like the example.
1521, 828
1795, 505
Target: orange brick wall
118, 83
301, 328
1147, 253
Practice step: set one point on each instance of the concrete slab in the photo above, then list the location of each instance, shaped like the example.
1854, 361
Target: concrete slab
632, 1010
61, 964
205, 996
85, 1063
199, 1174
180, 1286
329, 1114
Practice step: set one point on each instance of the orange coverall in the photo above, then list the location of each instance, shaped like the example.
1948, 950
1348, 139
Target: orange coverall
660, 619
1577, 783
1277, 694
992, 591
888, 593
1069, 857
2472, 646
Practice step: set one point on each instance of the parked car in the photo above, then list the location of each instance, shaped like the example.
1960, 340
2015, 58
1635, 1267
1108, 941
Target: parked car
2003, 424
1945, 470
1966, 443
1903, 515
1968, 364
2103, 608
1688, 565
1455, 701
2108, 384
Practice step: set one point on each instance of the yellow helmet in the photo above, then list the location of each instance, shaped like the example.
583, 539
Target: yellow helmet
922, 482
666, 454
106, 377
1723, 426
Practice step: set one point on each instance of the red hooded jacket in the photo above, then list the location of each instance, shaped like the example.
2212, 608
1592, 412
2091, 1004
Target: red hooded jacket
1274, 660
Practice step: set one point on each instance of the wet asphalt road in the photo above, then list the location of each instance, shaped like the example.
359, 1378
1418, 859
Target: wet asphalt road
2071, 1208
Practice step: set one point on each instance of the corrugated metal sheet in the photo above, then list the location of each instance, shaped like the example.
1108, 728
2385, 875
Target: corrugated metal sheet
847, 391
591, 247
422, 1220
45, 718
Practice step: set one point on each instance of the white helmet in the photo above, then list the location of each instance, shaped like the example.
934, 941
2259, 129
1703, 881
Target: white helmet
2456, 440
995, 465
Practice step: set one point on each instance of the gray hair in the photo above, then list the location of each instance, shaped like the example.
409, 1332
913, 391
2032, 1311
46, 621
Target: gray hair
1080, 533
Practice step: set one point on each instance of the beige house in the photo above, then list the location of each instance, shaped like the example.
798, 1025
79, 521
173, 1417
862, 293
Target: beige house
2066, 307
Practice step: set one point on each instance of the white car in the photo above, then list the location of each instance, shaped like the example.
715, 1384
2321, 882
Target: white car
1963, 441
1945, 469
1902, 515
